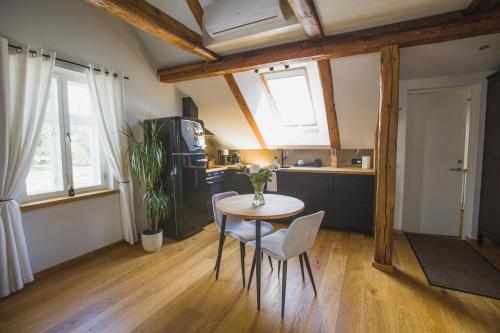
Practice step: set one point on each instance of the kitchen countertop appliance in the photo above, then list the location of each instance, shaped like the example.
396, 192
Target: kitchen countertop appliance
184, 175
234, 158
223, 156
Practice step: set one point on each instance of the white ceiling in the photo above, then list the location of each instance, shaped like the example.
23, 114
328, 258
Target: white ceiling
356, 82
451, 58
335, 15
346, 15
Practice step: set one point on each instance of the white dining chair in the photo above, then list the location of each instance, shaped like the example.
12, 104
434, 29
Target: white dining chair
237, 228
288, 243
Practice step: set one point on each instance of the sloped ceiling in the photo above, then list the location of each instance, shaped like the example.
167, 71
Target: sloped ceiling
335, 15
220, 112
356, 79
356, 92
275, 135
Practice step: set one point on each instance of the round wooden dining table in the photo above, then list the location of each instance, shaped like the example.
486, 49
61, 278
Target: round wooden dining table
276, 207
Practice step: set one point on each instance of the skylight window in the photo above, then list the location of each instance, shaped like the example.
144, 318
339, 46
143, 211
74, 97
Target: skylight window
290, 97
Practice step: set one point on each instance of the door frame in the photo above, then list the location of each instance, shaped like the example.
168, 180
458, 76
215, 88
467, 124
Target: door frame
478, 84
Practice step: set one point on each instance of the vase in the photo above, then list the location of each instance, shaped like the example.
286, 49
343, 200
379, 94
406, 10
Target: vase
258, 198
152, 241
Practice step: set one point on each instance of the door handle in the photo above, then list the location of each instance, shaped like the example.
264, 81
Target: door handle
456, 169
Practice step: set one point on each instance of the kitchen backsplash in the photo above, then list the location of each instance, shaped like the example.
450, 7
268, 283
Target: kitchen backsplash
266, 156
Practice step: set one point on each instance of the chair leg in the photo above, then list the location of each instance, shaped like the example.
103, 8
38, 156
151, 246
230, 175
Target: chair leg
221, 246
302, 267
309, 271
270, 263
283, 290
252, 270
242, 258
279, 267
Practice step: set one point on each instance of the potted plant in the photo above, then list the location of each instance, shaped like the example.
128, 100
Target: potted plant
147, 159
258, 177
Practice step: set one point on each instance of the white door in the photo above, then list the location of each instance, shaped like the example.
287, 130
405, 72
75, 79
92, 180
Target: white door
435, 145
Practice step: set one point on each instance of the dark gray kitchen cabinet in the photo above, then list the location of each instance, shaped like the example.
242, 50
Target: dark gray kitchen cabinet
353, 188
237, 182
351, 202
346, 199
285, 183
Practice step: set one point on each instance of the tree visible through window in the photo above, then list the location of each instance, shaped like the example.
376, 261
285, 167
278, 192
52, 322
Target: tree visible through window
68, 150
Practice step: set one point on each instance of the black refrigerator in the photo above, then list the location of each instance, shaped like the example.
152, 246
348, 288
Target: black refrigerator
184, 175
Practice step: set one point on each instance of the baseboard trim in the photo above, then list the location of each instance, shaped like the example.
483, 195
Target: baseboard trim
382, 267
83, 257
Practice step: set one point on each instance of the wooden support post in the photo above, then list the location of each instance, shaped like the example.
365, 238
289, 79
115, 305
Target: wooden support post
386, 156
375, 148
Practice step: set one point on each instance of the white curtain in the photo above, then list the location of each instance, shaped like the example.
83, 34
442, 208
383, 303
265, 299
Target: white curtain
108, 98
24, 91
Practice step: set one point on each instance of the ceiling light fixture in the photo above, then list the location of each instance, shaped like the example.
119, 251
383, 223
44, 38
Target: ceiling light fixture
484, 47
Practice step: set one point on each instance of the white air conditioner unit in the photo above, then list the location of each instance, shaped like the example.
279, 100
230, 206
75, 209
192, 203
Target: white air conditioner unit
223, 17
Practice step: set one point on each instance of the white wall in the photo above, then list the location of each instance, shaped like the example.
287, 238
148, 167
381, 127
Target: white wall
356, 86
58, 233
478, 84
81, 33
220, 112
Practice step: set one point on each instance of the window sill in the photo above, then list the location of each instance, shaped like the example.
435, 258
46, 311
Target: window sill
61, 200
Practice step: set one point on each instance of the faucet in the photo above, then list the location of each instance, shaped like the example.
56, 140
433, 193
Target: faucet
283, 157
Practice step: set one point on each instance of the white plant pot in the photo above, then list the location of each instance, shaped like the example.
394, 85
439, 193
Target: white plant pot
152, 242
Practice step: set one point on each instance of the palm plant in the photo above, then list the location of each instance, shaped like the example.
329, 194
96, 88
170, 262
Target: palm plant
147, 159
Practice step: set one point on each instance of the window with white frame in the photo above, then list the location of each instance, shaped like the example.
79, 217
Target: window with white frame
289, 94
68, 152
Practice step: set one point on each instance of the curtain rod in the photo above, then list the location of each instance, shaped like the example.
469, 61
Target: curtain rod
18, 48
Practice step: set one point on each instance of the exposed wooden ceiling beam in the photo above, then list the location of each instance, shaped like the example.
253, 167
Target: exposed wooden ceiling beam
245, 109
148, 18
325, 76
432, 29
478, 6
195, 7
306, 14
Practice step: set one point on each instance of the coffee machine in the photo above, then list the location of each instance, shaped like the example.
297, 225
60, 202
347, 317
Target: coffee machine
223, 156
234, 158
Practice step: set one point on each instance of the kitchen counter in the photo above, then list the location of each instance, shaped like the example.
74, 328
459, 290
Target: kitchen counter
354, 171
217, 168
347, 170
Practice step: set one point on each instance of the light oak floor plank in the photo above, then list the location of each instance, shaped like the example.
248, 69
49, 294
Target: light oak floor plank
174, 290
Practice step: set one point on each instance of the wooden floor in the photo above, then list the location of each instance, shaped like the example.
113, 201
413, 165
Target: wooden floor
489, 250
124, 289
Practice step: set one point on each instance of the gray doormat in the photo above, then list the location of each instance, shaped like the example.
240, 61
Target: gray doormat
452, 263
